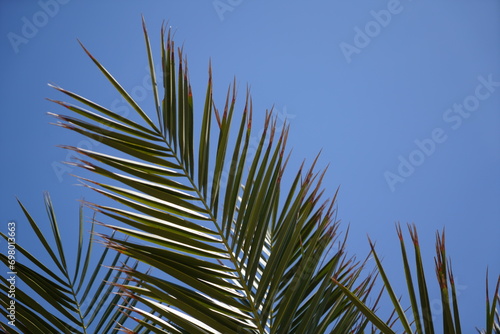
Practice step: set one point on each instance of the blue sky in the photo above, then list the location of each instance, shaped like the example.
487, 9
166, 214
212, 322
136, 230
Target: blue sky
401, 97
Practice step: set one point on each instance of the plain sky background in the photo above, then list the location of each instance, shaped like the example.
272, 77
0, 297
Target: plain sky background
362, 81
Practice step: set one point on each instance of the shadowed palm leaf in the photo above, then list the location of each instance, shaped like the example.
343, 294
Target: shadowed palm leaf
423, 321
55, 299
242, 256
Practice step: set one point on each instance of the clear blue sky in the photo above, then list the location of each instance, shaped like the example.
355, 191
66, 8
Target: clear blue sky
402, 97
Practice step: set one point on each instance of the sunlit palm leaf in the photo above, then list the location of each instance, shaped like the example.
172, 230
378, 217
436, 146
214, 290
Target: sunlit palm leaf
235, 256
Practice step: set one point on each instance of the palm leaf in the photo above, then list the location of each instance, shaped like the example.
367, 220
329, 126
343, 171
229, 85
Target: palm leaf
235, 256
54, 298
444, 276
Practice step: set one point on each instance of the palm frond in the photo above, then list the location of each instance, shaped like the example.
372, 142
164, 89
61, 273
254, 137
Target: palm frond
57, 298
228, 257
422, 319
